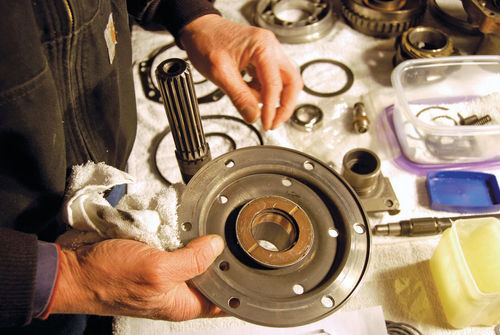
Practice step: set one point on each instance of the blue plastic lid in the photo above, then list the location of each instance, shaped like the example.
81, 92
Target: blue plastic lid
463, 191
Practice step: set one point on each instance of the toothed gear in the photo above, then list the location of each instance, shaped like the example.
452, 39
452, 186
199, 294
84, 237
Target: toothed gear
380, 22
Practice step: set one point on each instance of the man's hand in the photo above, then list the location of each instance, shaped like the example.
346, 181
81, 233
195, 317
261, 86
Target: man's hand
221, 50
129, 278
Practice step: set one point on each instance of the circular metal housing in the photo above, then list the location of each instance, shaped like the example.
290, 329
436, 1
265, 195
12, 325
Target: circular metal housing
313, 19
381, 18
308, 224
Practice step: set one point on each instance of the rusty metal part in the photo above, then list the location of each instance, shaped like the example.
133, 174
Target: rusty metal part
360, 121
316, 19
485, 14
383, 19
307, 117
361, 168
286, 199
179, 98
423, 42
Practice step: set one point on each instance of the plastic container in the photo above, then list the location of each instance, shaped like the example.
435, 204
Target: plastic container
430, 93
463, 191
466, 272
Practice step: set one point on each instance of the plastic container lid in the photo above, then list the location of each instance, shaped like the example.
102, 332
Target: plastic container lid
463, 191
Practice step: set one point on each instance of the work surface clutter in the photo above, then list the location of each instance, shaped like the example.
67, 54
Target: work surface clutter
398, 285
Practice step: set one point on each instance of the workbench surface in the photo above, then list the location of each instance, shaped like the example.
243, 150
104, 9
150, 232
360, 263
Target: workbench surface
398, 277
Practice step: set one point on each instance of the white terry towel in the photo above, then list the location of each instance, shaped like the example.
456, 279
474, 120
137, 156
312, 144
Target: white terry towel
151, 219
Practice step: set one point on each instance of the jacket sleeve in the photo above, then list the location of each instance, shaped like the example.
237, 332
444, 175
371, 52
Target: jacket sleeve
170, 14
17, 280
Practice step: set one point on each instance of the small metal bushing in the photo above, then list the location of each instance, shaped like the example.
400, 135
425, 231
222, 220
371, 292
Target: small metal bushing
274, 231
361, 168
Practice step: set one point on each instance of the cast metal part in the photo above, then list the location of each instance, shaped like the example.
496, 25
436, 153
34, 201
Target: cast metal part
179, 98
361, 168
456, 22
381, 18
151, 92
342, 66
307, 117
423, 42
360, 121
307, 224
486, 15
316, 19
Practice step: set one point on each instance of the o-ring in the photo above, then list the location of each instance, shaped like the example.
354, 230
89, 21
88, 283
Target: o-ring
345, 68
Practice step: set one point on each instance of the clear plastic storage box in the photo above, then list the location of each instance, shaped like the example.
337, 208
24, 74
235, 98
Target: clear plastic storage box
447, 109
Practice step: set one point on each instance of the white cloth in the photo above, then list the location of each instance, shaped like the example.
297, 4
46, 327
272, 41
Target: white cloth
151, 219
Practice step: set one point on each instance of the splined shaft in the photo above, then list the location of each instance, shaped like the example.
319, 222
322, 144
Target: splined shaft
177, 89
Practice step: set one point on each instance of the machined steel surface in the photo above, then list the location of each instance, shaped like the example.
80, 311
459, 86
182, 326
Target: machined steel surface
307, 223
423, 42
307, 117
360, 120
381, 18
179, 98
314, 20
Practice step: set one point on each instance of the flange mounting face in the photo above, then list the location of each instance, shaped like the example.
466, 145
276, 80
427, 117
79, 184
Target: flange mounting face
291, 207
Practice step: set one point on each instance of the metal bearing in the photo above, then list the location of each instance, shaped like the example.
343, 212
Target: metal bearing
307, 117
297, 237
423, 42
383, 18
342, 66
317, 19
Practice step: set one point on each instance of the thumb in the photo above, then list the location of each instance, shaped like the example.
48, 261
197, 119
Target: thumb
196, 257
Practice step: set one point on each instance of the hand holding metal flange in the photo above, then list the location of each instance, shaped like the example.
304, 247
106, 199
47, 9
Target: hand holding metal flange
297, 238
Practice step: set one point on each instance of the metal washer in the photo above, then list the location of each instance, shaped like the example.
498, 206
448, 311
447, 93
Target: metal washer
345, 68
306, 291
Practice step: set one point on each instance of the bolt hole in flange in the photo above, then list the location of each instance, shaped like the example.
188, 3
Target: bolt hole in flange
292, 254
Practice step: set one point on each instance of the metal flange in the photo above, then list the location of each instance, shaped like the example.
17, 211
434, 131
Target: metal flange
297, 237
